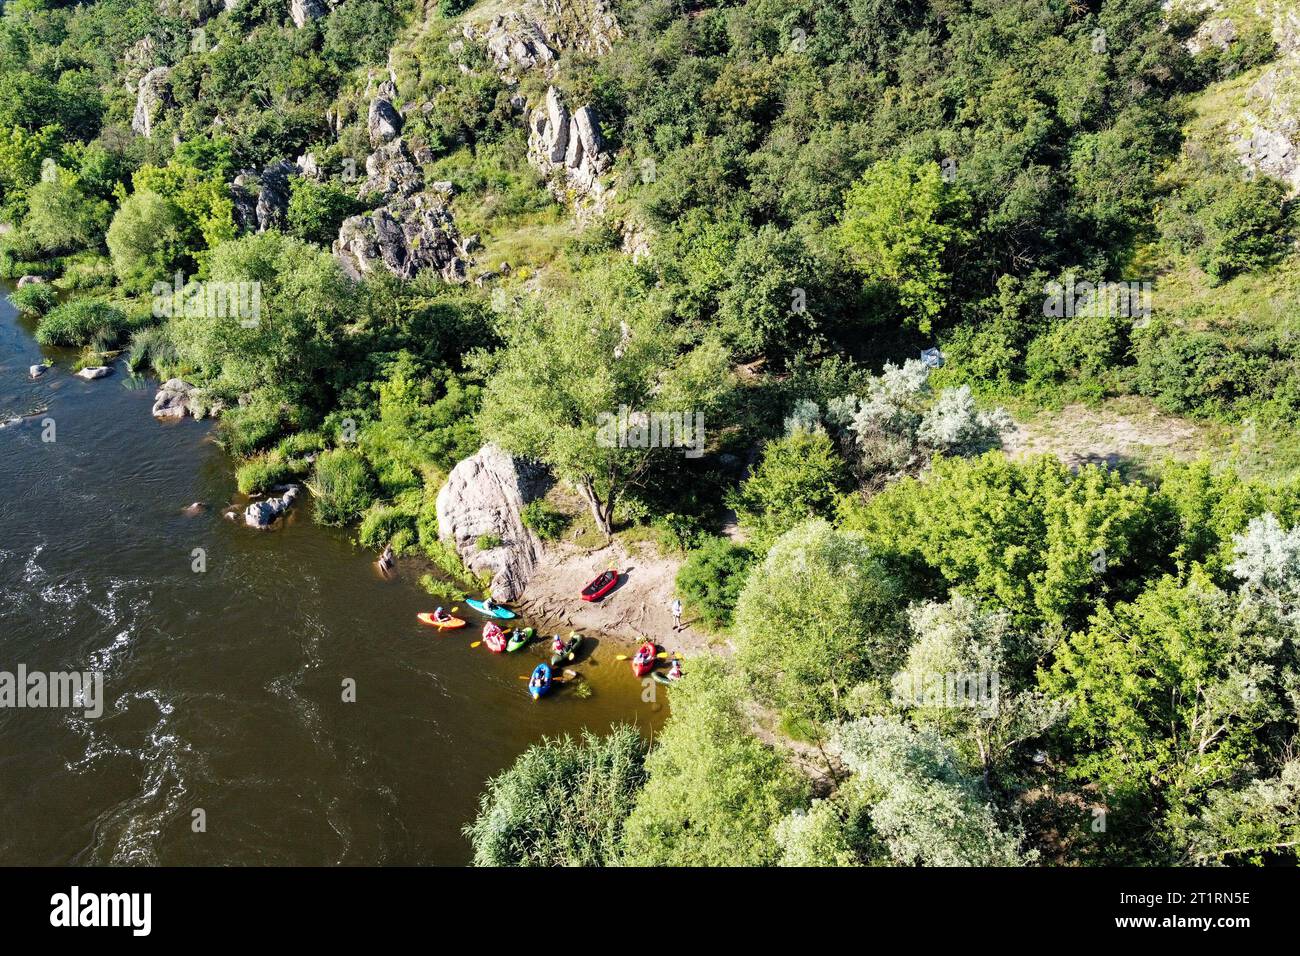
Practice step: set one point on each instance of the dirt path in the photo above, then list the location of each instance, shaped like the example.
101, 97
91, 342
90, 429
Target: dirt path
639, 608
1122, 433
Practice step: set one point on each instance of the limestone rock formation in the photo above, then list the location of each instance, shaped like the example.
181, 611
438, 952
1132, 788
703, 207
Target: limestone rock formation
383, 122
261, 200
302, 11
152, 96
407, 236
569, 145
485, 495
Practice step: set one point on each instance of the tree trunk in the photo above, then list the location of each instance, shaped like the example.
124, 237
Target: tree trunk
601, 512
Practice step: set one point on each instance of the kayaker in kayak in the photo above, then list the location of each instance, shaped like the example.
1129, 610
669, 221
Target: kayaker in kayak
557, 644
490, 604
538, 680
642, 656
440, 615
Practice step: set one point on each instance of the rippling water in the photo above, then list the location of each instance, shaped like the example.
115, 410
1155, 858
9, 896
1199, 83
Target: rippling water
223, 688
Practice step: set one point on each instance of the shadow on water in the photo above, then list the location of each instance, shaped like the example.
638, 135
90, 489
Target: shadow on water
226, 688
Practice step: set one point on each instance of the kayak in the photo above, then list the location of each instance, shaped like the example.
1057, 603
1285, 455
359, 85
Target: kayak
482, 609
447, 625
644, 661
494, 638
519, 638
570, 648
600, 585
537, 690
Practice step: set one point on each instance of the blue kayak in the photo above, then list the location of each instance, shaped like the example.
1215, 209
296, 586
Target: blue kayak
483, 609
544, 672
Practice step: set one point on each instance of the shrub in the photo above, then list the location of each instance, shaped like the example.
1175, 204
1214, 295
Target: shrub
486, 542
544, 521
35, 299
343, 485
266, 471
712, 577
80, 322
562, 803
384, 524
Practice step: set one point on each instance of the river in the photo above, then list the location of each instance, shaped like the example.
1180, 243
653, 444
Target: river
224, 688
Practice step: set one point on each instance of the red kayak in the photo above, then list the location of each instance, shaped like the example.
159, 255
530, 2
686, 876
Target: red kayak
644, 661
601, 585
494, 638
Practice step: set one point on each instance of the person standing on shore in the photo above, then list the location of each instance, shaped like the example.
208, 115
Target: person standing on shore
677, 614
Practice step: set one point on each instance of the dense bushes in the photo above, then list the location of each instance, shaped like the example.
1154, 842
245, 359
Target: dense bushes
81, 322
343, 485
562, 803
711, 578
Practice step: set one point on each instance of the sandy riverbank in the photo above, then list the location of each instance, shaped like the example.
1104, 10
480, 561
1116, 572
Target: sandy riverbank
639, 608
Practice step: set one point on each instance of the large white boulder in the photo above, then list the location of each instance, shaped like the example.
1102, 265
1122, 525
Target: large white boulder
485, 495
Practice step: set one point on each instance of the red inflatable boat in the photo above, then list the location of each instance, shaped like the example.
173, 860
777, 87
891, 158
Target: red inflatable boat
601, 585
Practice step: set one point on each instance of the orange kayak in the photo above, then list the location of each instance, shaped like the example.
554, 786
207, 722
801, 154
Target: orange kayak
446, 625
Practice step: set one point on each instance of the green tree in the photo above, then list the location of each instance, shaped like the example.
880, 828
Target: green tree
924, 808
147, 240
900, 221
573, 366
800, 477
562, 803
62, 217
1170, 696
820, 615
714, 791
711, 579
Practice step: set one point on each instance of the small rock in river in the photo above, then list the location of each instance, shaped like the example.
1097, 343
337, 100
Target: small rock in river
95, 371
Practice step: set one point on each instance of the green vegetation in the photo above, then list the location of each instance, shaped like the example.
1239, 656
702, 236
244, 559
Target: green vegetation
810, 211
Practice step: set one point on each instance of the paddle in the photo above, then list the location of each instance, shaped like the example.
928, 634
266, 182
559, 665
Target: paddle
476, 644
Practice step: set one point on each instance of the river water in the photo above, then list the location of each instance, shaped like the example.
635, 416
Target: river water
224, 688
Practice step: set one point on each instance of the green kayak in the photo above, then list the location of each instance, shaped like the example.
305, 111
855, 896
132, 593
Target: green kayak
519, 638
570, 648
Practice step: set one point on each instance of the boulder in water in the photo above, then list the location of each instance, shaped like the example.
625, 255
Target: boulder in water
173, 399
94, 372
36, 371
263, 514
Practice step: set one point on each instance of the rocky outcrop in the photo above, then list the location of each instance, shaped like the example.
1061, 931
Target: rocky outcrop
485, 495
261, 199
264, 514
383, 123
407, 236
302, 11
1219, 33
567, 147
173, 399
514, 41
391, 171
1266, 132
152, 95
534, 35
411, 232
